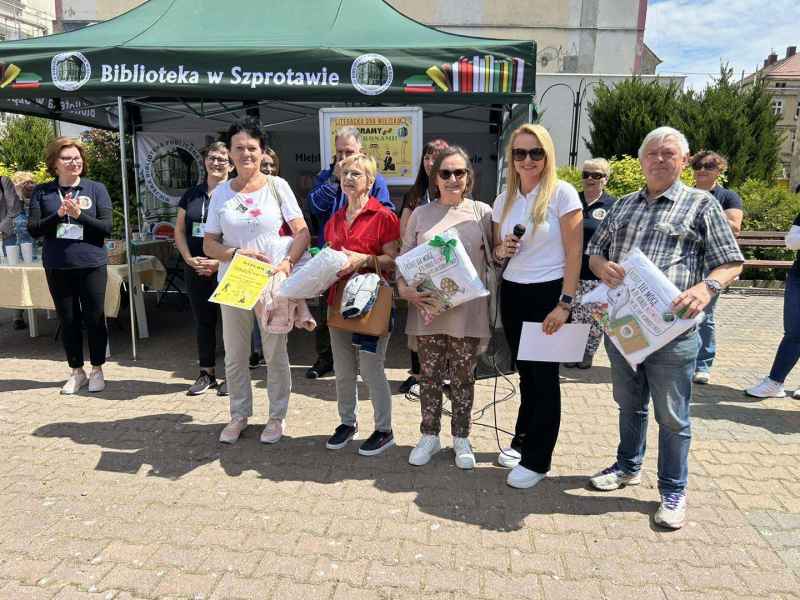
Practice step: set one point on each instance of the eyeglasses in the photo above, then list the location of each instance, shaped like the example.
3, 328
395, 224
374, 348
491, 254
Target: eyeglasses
706, 166
352, 175
446, 174
519, 154
71, 159
214, 160
590, 175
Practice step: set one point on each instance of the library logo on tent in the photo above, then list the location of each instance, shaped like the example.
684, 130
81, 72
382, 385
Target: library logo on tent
70, 71
371, 74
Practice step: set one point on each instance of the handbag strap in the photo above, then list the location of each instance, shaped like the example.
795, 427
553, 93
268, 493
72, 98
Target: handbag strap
278, 197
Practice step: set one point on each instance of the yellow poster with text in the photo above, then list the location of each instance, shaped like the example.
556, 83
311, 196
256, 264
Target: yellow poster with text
387, 138
243, 282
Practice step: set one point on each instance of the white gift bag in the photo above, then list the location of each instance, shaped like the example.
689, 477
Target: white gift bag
443, 267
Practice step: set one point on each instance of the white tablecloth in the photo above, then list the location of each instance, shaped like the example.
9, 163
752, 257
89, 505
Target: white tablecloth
25, 285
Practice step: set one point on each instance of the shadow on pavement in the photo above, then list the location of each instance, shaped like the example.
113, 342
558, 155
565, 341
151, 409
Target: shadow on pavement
169, 445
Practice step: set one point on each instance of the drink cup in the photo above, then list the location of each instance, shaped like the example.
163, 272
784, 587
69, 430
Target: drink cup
12, 255
27, 252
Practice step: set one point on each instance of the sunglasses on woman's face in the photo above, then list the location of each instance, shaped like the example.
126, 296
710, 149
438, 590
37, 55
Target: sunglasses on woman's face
519, 154
706, 166
446, 174
590, 175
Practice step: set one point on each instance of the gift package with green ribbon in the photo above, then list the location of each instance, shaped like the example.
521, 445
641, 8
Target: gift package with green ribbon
443, 268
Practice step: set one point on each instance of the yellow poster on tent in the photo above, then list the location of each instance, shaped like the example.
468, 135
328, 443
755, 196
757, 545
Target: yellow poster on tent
392, 136
243, 282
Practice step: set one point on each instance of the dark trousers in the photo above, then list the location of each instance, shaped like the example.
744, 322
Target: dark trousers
415, 367
322, 337
79, 296
539, 415
206, 315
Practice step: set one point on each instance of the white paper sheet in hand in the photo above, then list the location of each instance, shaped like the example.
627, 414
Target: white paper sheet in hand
565, 345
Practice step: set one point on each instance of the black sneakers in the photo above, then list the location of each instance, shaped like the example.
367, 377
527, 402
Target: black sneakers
406, 386
204, 383
257, 360
222, 390
319, 369
342, 435
377, 443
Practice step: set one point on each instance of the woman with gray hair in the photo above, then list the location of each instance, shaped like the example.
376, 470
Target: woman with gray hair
596, 204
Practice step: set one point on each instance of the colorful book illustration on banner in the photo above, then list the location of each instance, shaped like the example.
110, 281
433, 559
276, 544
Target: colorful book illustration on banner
470, 75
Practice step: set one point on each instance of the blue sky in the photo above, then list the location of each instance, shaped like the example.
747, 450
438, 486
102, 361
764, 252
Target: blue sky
693, 36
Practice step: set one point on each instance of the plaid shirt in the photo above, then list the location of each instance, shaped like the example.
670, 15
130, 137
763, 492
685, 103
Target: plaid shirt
684, 232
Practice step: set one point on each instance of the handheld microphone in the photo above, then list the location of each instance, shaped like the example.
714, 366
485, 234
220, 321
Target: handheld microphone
519, 230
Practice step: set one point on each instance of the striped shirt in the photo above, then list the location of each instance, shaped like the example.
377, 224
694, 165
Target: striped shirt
683, 231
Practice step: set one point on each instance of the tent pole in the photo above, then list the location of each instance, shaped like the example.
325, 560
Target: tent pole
135, 150
125, 200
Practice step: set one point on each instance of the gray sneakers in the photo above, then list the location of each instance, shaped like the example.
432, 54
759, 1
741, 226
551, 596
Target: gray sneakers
614, 478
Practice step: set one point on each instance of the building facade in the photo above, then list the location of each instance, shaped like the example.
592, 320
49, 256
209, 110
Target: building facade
781, 76
74, 14
25, 19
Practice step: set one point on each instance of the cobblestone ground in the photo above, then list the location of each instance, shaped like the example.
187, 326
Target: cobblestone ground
129, 495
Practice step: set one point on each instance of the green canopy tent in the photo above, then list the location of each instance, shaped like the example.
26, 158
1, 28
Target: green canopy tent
170, 60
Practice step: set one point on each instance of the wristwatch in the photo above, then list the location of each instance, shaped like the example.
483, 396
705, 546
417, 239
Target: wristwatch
566, 301
714, 286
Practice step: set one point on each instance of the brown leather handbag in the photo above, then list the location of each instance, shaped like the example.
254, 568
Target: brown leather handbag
375, 322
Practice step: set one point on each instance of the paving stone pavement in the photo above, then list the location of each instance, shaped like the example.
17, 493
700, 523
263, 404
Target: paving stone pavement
128, 495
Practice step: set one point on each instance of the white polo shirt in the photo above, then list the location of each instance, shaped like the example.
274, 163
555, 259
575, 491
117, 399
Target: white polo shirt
541, 255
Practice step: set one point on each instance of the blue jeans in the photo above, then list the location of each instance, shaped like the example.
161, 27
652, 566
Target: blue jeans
708, 342
666, 376
789, 349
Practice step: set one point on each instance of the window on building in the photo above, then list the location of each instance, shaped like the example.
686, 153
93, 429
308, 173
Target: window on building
794, 139
797, 110
777, 107
780, 84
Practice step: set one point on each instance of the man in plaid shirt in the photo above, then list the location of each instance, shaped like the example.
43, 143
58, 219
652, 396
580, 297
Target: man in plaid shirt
685, 233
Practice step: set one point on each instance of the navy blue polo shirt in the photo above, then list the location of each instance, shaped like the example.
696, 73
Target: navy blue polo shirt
96, 219
592, 217
727, 198
195, 202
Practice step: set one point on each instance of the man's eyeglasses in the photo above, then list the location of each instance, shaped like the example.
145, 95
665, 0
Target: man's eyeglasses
446, 174
519, 154
706, 166
590, 175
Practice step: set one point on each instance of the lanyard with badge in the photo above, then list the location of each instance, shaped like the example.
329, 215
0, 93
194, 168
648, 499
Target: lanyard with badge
199, 229
68, 230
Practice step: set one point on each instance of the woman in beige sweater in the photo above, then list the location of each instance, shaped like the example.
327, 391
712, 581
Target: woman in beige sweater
448, 344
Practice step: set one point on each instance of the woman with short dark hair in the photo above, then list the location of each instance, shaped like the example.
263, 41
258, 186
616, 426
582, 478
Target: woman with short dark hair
245, 214
74, 216
199, 269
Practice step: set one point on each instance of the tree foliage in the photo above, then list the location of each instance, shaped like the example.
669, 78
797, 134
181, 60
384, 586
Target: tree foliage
737, 123
23, 142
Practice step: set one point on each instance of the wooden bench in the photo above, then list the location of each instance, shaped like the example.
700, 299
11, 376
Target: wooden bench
763, 239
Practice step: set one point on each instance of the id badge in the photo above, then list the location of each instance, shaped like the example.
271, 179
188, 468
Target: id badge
69, 231
198, 230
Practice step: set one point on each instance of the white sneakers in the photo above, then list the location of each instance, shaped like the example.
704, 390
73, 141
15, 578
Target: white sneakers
613, 478
521, 478
508, 458
672, 511
76, 381
97, 382
230, 434
429, 445
465, 459
702, 377
426, 447
273, 431
766, 388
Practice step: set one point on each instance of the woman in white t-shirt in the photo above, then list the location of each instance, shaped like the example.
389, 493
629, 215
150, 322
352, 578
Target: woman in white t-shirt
244, 216
539, 285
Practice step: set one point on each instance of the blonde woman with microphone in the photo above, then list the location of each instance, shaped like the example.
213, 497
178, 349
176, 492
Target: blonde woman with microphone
539, 224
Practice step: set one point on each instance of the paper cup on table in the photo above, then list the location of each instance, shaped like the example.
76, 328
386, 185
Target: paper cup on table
12, 255
27, 252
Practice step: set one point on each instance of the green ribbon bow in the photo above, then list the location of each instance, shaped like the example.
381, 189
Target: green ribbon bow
446, 246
